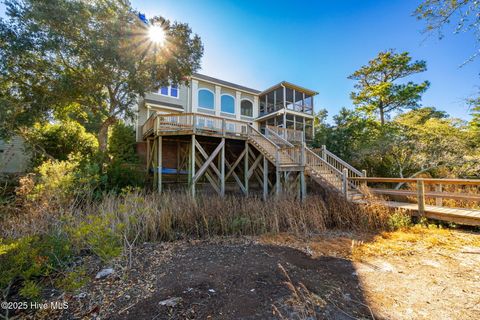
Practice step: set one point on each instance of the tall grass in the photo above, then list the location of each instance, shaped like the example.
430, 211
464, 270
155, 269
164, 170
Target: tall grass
169, 216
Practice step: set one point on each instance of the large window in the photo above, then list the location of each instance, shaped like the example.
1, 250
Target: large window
171, 91
227, 103
206, 99
246, 107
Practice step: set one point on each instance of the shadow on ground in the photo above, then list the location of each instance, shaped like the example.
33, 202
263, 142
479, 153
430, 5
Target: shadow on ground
244, 281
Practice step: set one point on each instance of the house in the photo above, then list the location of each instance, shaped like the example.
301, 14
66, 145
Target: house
214, 135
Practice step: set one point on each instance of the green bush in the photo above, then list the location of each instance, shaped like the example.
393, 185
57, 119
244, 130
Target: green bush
399, 220
65, 180
73, 280
124, 168
60, 141
99, 235
29, 258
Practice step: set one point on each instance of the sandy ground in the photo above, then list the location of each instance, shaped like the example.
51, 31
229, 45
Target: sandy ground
415, 274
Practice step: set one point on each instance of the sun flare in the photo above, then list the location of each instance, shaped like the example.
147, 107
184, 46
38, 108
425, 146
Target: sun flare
156, 34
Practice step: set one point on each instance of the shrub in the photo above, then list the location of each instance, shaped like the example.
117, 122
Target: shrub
29, 258
399, 220
60, 141
99, 235
124, 168
65, 180
73, 280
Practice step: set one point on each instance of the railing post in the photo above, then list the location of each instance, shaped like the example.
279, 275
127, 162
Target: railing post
194, 124
345, 182
364, 174
438, 200
324, 152
421, 197
223, 127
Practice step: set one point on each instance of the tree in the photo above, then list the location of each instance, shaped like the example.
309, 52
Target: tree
377, 90
59, 141
438, 14
93, 55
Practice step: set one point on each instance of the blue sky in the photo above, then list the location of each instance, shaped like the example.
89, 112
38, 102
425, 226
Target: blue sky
317, 44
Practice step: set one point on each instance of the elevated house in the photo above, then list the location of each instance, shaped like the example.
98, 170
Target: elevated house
221, 136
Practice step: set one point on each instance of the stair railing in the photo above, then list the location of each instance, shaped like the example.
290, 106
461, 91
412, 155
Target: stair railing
327, 172
343, 166
274, 136
254, 134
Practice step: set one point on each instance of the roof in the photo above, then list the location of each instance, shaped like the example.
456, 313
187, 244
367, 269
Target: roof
292, 86
224, 83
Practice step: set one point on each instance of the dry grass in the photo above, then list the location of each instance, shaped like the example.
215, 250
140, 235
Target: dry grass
415, 240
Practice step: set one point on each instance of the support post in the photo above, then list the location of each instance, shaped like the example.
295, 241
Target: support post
148, 155
245, 167
277, 171
265, 178
192, 167
160, 164
222, 168
324, 152
421, 197
438, 200
303, 186
345, 182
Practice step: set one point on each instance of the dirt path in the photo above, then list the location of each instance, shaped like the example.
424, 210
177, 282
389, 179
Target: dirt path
421, 273
241, 281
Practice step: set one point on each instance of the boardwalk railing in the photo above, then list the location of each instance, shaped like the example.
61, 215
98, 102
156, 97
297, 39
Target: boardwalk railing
425, 189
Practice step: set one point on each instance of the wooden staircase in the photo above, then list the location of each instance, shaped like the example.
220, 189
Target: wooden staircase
323, 168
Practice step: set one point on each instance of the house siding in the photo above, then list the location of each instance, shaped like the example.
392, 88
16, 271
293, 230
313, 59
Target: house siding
13, 158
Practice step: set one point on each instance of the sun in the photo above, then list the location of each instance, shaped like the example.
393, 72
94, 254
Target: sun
156, 34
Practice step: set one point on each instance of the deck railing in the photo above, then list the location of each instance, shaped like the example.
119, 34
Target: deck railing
194, 121
426, 188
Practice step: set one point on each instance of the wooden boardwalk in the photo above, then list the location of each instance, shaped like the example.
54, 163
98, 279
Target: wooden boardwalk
463, 216
469, 217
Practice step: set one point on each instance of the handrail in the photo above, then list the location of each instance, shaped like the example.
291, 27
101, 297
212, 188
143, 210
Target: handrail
325, 170
323, 161
296, 135
276, 135
425, 180
342, 162
260, 134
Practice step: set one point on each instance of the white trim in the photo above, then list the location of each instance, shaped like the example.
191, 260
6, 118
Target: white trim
234, 99
159, 106
247, 99
198, 104
169, 90
224, 86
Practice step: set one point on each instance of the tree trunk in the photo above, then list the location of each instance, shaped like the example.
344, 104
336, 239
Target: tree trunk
382, 116
102, 135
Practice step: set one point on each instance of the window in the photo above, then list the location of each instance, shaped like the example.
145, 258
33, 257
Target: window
164, 91
206, 99
171, 91
227, 104
230, 127
174, 91
246, 107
